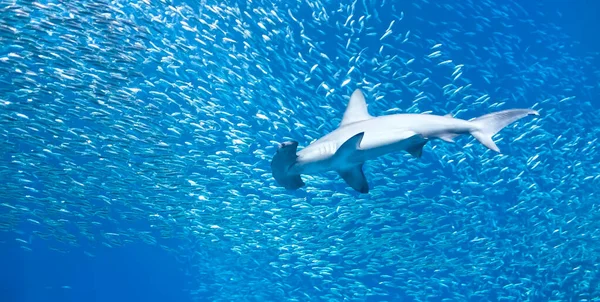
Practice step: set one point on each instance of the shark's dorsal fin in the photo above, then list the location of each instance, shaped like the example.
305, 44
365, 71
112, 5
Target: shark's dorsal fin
449, 115
356, 110
356, 179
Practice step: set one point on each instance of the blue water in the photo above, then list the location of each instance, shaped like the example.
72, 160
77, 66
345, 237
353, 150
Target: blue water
179, 264
132, 273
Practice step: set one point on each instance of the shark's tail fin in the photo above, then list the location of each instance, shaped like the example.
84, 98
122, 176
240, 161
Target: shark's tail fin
488, 125
281, 163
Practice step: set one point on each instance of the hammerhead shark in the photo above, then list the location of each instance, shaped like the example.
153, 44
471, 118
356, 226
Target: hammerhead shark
361, 137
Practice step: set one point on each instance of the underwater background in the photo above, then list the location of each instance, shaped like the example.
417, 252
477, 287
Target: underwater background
136, 137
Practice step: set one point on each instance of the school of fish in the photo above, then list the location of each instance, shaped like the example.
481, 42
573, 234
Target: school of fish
156, 120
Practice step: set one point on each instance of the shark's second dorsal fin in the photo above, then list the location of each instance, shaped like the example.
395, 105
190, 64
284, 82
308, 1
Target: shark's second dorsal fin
356, 110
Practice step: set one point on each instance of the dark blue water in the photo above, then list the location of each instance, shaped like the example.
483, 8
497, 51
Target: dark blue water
135, 272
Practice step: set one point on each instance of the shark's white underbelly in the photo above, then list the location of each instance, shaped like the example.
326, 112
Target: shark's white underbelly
321, 155
382, 135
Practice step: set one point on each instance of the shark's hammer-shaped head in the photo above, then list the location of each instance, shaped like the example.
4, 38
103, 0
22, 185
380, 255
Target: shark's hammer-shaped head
283, 160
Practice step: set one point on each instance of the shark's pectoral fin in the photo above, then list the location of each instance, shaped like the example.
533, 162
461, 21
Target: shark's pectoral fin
355, 178
350, 146
353, 175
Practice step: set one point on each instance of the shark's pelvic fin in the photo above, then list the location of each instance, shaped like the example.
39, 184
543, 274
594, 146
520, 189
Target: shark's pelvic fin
356, 110
281, 163
356, 179
417, 150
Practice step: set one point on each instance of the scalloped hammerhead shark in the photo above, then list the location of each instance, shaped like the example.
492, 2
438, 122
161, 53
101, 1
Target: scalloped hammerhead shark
361, 137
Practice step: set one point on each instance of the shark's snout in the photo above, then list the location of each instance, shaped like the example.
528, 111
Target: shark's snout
285, 146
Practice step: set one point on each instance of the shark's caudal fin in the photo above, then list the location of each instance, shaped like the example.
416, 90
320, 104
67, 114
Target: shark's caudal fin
281, 163
488, 125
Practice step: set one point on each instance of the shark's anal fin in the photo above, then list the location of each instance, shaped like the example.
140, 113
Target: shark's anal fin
355, 178
281, 163
350, 146
448, 137
356, 110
